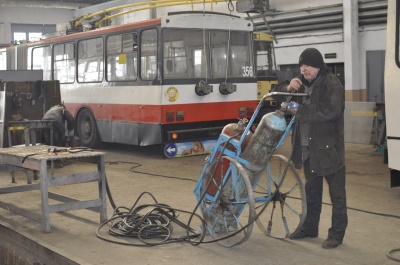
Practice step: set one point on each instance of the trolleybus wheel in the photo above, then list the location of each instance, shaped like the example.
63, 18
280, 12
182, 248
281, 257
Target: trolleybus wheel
87, 129
228, 205
280, 199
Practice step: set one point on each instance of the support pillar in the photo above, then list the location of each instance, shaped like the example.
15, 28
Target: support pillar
351, 52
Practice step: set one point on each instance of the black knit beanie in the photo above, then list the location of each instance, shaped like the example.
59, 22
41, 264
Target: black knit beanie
312, 57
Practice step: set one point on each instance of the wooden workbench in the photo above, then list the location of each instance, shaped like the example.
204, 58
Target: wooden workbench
36, 158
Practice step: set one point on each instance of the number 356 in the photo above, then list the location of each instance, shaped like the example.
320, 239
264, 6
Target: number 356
247, 70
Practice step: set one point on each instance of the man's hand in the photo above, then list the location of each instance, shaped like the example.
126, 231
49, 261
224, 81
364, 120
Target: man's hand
294, 85
292, 107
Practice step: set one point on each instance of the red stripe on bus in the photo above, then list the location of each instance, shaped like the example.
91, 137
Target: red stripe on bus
196, 112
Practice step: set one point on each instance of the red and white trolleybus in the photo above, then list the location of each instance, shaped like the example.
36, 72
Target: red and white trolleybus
392, 80
174, 80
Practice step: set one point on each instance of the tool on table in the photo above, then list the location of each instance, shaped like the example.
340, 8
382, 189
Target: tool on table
57, 150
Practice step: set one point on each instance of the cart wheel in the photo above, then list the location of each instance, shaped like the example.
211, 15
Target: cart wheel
228, 205
280, 199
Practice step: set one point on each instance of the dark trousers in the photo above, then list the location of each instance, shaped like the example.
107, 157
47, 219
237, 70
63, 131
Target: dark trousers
337, 192
58, 137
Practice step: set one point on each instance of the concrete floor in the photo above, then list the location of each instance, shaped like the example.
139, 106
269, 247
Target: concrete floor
373, 230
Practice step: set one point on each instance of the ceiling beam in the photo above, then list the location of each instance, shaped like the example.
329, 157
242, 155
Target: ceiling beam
63, 4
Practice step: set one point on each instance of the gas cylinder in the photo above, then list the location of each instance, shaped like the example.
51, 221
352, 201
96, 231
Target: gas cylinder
229, 130
263, 142
232, 129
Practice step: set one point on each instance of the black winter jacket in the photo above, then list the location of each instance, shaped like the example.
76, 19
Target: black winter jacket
59, 115
325, 116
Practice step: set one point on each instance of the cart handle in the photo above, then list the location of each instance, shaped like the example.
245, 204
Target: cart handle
271, 94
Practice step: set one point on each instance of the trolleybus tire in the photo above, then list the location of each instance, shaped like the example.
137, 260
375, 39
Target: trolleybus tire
87, 129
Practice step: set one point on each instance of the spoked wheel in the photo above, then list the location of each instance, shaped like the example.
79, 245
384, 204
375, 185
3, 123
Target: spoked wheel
280, 199
228, 204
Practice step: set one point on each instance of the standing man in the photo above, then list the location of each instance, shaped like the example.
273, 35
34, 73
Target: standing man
318, 143
63, 122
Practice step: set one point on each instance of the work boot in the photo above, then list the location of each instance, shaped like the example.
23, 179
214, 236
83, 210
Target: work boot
301, 234
331, 243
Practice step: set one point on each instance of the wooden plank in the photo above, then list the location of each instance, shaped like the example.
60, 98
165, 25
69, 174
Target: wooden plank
102, 187
39, 152
69, 206
13, 160
19, 211
10, 168
62, 198
30, 164
44, 189
74, 178
19, 188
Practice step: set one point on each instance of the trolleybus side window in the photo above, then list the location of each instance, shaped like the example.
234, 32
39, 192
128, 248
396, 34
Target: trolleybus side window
231, 54
121, 57
90, 60
41, 59
64, 62
148, 54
